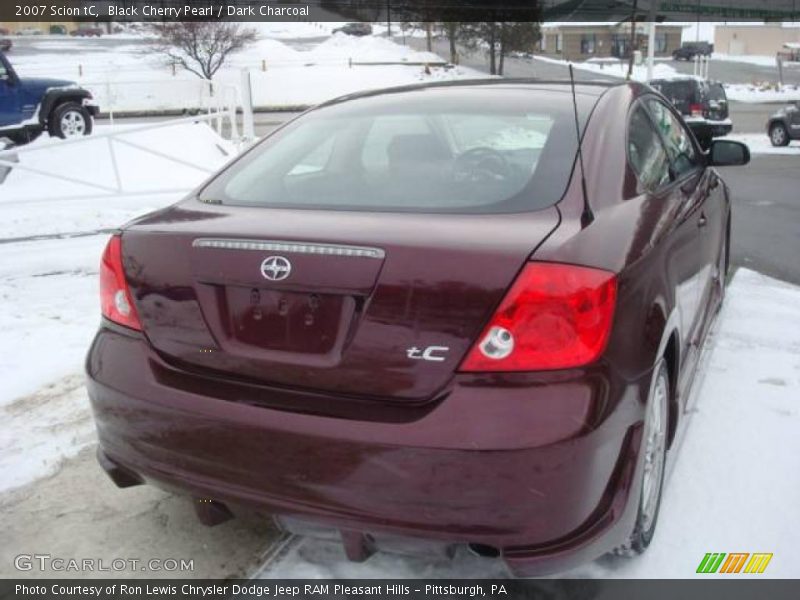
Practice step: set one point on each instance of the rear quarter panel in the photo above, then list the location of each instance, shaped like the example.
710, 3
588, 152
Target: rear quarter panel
627, 237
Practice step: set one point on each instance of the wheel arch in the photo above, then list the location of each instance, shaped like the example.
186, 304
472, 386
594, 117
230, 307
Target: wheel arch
56, 97
669, 350
672, 358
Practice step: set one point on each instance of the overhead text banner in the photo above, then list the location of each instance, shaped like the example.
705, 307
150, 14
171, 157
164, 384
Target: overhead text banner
394, 10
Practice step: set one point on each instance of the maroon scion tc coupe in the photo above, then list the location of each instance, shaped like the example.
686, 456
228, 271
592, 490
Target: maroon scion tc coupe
423, 314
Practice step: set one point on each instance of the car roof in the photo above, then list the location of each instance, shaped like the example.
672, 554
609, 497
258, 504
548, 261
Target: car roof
589, 88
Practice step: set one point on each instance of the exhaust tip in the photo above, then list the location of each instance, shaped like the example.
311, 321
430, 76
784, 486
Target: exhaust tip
484, 550
122, 477
211, 512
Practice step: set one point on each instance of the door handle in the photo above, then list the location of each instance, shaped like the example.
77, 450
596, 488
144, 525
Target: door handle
702, 221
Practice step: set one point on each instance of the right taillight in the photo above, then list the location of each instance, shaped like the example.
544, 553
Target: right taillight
115, 298
555, 316
696, 110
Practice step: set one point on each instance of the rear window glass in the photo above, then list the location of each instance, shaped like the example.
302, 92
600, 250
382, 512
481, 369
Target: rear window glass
717, 92
677, 91
436, 150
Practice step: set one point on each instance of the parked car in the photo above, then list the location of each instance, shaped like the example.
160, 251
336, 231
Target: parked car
5, 44
702, 103
783, 126
30, 106
398, 315
689, 50
4, 31
358, 29
87, 31
29, 31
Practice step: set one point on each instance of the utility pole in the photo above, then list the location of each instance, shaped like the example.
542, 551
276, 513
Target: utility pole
632, 42
651, 39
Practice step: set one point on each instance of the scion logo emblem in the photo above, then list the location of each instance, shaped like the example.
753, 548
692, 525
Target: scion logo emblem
276, 268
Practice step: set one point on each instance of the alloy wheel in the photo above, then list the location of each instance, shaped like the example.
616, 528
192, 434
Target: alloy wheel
655, 440
73, 124
778, 136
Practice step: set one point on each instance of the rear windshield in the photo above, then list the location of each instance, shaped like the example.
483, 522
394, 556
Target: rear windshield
717, 92
677, 91
432, 150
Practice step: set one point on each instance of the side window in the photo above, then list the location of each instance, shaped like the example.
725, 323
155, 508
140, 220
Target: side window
646, 151
679, 145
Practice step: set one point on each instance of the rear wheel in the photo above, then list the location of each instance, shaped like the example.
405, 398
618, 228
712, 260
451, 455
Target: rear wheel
778, 135
654, 447
70, 120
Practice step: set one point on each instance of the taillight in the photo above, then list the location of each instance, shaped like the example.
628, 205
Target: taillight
554, 316
115, 297
696, 110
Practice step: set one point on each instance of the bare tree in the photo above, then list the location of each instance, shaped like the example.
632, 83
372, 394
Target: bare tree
200, 47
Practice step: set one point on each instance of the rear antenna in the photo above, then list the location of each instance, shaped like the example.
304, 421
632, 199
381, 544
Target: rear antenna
587, 216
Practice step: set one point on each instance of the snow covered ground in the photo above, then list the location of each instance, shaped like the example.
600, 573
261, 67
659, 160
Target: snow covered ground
129, 77
759, 144
736, 483
741, 92
48, 288
616, 68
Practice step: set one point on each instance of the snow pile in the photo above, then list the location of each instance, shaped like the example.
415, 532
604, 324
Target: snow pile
765, 92
292, 30
33, 204
736, 482
368, 48
751, 59
616, 68
291, 72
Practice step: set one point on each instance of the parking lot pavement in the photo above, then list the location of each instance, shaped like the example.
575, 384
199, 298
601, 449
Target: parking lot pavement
78, 513
766, 215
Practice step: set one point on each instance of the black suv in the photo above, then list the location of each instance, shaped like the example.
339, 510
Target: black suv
783, 126
689, 50
703, 104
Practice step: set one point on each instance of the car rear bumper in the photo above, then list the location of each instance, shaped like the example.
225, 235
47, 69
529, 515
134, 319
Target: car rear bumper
541, 467
709, 128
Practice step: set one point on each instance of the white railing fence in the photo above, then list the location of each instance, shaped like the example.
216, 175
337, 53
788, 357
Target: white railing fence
219, 109
701, 64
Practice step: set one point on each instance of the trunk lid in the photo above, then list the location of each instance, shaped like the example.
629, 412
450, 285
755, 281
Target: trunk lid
375, 304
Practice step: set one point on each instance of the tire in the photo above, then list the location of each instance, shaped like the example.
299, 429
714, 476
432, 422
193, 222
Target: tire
778, 135
654, 447
69, 120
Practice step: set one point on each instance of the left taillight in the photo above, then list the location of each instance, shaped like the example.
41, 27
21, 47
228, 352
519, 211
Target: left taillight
696, 110
115, 297
554, 316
